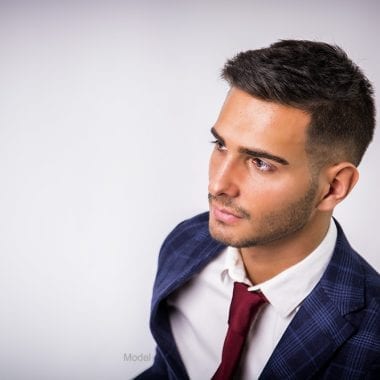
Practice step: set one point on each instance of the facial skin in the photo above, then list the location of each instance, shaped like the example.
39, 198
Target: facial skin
256, 200
263, 195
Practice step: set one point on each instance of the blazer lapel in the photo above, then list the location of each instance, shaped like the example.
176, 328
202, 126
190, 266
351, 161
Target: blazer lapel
195, 260
185, 253
322, 323
315, 333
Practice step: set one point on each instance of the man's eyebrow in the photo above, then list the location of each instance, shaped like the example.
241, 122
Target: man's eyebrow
216, 135
263, 154
253, 152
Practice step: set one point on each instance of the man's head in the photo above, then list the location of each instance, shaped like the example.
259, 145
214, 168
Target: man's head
294, 126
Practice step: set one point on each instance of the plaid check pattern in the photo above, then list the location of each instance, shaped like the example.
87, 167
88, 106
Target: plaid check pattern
334, 335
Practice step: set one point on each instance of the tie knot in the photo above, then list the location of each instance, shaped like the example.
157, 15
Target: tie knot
244, 306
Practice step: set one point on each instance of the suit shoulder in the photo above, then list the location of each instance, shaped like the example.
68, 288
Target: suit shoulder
372, 278
186, 234
198, 224
187, 249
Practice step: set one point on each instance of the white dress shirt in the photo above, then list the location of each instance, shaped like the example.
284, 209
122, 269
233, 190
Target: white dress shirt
200, 309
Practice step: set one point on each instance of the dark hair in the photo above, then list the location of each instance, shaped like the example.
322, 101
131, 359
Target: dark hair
320, 79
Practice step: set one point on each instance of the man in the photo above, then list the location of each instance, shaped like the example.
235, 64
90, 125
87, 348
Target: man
293, 129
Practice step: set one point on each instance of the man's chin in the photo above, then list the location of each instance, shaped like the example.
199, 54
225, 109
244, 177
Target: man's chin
216, 231
223, 234
231, 235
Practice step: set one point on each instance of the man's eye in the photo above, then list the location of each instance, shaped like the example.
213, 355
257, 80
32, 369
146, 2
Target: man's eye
218, 145
262, 165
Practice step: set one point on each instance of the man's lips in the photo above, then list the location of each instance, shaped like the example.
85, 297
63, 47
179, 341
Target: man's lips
224, 215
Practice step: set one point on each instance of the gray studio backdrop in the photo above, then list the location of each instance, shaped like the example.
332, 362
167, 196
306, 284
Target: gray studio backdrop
105, 111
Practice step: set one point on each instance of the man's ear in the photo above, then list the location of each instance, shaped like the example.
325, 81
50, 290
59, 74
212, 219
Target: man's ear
339, 181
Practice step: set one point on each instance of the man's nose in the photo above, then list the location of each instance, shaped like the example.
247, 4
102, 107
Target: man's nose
223, 178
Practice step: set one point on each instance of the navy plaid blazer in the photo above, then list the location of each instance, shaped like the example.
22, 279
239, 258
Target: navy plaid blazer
334, 335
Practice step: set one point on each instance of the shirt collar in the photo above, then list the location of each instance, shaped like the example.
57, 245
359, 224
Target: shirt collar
288, 289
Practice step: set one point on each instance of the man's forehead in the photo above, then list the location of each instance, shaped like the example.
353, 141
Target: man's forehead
247, 114
238, 100
256, 124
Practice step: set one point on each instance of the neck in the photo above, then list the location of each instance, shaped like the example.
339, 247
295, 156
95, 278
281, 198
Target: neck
263, 262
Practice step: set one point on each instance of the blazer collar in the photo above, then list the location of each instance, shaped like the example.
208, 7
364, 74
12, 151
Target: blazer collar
191, 251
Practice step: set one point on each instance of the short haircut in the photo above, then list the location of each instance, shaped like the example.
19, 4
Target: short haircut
320, 79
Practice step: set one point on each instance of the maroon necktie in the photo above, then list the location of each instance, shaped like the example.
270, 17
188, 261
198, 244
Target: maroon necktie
244, 306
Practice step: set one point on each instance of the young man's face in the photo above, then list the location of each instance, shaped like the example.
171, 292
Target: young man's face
260, 186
